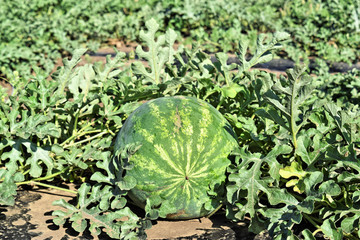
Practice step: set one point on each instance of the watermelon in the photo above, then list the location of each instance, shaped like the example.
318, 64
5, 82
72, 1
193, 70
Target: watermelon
183, 155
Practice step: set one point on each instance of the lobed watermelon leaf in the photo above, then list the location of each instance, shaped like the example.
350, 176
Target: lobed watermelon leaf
282, 220
103, 207
38, 155
293, 106
111, 68
331, 231
8, 186
67, 73
246, 176
14, 155
262, 53
160, 52
82, 81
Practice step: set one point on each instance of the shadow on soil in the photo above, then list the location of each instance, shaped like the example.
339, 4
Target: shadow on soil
15, 221
16, 224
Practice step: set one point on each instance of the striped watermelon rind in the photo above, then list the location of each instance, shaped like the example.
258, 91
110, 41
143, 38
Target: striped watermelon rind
185, 144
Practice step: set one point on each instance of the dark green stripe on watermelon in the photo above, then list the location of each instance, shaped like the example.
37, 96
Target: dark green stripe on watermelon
185, 143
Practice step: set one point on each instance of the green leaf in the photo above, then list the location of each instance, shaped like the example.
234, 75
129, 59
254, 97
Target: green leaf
341, 119
32, 123
15, 126
311, 182
119, 223
311, 146
73, 157
82, 81
38, 156
294, 170
349, 224
329, 229
282, 220
65, 74
274, 116
8, 186
110, 69
160, 52
308, 235
345, 157
350, 217
127, 183
48, 129
223, 67
15, 155
247, 176
330, 187
111, 167
157, 207
262, 50
292, 100
231, 91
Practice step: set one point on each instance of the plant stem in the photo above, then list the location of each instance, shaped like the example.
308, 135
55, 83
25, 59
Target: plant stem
76, 122
111, 132
213, 212
292, 117
51, 186
56, 124
78, 135
85, 140
26, 172
316, 231
208, 94
222, 99
36, 181
350, 236
44, 178
89, 124
311, 221
49, 138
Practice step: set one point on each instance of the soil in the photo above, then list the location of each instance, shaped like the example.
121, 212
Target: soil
31, 218
7, 86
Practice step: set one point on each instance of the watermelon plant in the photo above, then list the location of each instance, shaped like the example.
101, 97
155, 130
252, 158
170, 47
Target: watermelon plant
290, 165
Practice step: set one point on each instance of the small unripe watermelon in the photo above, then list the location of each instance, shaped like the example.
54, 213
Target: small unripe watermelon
185, 144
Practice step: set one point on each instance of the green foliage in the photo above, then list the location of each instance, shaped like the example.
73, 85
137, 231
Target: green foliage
109, 213
246, 176
37, 33
295, 173
323, 139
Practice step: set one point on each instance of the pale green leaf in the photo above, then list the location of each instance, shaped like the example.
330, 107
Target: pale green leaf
308, 235
248, 177
38, 156
160, 52
8, 186
329, 229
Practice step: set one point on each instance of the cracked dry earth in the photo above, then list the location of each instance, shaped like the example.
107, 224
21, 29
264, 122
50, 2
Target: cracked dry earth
30, 218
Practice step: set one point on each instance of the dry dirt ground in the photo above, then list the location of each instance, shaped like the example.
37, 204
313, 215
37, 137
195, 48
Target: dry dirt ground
31, 216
